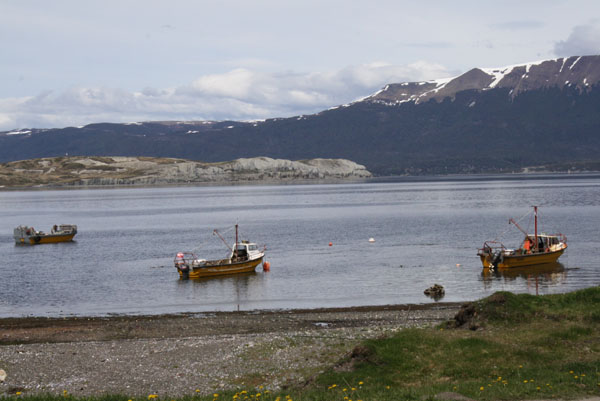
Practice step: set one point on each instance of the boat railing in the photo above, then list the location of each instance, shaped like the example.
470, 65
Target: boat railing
492, 247
188, 259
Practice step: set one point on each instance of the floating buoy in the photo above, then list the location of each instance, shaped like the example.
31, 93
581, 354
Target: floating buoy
266, 266
371, 239
458, 265
331, 244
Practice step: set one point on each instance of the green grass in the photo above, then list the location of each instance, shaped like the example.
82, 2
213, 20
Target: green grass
525, 347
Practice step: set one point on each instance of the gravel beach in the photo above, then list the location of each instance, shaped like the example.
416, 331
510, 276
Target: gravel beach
176, 355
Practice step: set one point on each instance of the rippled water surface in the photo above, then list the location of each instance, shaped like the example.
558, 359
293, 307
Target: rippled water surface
425, 232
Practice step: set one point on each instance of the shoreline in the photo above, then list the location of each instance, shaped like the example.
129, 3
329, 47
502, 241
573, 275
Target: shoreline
78, 328
187, 354
546, 175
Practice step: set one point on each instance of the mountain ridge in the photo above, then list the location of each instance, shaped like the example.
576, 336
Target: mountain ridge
484, 121
558, 72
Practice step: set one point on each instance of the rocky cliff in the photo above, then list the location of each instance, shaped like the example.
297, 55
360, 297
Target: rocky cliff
93, 171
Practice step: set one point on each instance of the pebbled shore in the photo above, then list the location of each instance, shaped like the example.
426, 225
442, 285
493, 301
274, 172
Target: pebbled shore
176, 355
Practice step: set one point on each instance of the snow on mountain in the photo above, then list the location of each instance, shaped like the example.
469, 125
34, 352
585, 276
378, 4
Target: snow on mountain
579, 71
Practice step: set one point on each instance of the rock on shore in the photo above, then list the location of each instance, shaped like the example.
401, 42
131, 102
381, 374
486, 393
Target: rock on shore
93, 170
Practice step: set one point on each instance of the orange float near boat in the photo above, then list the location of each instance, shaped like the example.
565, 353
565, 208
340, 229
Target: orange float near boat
536, 249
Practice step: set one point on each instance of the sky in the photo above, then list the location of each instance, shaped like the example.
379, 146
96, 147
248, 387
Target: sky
73, 62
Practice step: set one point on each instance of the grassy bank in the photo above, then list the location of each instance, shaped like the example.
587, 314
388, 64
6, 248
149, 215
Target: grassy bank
504, 347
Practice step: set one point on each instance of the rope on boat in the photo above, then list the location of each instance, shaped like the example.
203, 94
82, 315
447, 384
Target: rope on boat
497, 239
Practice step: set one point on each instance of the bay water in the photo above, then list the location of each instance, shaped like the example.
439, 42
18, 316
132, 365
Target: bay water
425, 232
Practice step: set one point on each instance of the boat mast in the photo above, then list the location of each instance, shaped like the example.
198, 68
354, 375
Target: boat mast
236, 236
536, 234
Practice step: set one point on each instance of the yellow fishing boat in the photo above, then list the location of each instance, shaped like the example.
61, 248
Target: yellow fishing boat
535, 249
244, 256
29, 236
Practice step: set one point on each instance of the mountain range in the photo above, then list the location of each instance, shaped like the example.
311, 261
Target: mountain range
540, 116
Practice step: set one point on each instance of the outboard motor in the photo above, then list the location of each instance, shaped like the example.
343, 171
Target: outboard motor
182, 266
497, 259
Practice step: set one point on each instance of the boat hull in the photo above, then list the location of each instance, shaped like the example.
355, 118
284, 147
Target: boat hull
211, 270
510, 261
51, 239
44, 239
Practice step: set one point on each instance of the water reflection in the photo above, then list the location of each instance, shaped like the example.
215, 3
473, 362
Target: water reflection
241, 288
534, 276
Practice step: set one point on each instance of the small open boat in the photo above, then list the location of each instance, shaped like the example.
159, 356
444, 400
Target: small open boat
29, 236
244, 256
535, 249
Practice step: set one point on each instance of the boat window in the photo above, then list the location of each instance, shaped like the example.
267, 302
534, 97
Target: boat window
252, 247
241, 247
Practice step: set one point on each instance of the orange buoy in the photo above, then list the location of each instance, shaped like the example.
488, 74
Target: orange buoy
331, 244
266, 266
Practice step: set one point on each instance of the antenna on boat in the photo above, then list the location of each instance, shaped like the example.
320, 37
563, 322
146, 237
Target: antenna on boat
236, 235
536, 234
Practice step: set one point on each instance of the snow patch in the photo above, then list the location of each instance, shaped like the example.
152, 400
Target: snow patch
575, 62
563, 65
500, 73
19, 132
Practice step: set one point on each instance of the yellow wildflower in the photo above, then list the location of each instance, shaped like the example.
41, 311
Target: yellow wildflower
18, 393
481, 388
360, 383
524, 381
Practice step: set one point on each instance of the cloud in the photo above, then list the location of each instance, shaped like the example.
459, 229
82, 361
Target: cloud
584, 40
519, 25
239, 94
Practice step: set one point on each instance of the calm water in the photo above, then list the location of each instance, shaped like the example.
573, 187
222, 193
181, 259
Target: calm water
425, 233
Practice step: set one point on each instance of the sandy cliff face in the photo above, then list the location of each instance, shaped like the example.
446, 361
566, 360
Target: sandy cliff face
84, 171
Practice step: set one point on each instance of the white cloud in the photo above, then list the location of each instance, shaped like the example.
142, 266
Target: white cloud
240, 94
584, 40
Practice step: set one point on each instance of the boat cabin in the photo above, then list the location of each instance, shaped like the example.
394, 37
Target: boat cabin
245, 251
546, 243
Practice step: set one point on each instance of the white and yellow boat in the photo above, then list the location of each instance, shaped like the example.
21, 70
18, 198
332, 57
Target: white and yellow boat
535, 249
29, 236
244, 256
